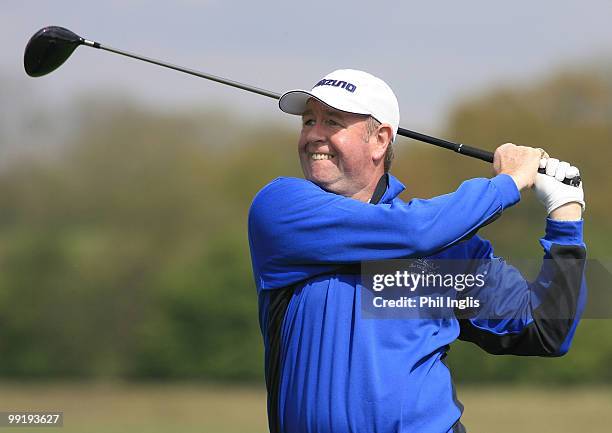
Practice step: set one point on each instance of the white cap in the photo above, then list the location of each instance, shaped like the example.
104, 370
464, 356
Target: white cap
351, 91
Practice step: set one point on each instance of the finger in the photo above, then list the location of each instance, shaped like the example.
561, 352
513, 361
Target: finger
543, 162
561, 171
551, 166
572, 172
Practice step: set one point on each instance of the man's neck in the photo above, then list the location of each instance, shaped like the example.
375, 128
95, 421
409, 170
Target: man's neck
366, 194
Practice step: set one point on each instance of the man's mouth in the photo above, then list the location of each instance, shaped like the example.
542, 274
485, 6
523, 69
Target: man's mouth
320, 156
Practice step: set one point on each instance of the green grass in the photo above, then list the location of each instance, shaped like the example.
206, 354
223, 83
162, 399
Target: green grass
541, 409
142, 408
185, 409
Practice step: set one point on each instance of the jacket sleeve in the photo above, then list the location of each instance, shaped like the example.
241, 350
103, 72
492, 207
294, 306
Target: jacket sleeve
536, 318
293, 223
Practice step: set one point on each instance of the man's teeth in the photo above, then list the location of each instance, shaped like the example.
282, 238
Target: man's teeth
318, 156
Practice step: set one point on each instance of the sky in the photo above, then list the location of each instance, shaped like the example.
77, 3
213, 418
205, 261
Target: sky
431, 53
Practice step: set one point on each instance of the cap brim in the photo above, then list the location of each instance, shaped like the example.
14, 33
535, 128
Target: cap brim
294, 101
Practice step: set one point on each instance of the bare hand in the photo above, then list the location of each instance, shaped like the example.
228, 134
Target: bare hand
520, 162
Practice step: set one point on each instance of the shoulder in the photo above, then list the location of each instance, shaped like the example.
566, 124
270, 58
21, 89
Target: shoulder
285, 183
284, 188
280, 195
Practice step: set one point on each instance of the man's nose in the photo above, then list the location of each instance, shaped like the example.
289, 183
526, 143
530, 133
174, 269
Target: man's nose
316, 132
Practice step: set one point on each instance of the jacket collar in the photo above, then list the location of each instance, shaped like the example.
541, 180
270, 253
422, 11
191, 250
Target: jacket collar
394, 188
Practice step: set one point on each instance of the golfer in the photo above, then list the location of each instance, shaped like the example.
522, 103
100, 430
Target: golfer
328, 369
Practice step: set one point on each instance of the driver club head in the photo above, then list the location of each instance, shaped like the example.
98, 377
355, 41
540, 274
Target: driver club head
48, 49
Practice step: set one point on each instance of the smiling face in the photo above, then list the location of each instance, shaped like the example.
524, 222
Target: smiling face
337, 153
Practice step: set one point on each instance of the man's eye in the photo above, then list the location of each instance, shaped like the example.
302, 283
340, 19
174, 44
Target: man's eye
332, 122
308, 122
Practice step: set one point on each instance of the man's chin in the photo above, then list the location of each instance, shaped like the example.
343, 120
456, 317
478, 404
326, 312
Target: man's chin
329, 185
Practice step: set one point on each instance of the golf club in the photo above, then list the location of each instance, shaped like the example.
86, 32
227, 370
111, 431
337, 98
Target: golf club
51, 46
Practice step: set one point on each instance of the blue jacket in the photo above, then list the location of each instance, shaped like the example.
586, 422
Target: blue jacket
330, 370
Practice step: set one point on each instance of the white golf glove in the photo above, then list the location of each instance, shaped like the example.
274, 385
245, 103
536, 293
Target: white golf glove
550, 189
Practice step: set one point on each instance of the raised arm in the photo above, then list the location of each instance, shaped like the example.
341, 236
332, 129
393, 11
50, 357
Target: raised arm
295, 226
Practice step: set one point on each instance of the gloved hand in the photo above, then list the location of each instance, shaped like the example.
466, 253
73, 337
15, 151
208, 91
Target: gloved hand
551, 191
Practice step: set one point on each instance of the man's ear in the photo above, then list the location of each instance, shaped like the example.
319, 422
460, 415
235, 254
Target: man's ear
383, 139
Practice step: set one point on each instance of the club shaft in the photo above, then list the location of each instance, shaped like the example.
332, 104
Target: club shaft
459, 148
187, 71
463, 149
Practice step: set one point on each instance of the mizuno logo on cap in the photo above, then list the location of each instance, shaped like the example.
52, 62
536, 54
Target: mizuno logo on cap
337, 83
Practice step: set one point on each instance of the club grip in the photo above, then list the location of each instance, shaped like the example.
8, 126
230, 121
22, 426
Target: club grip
488, 156
575, 181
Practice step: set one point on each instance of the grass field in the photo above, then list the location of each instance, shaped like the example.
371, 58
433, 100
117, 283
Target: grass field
186, 409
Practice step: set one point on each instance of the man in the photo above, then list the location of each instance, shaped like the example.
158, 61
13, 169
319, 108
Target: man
328, 369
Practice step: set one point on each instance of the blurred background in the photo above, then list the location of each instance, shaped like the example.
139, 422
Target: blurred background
126, 293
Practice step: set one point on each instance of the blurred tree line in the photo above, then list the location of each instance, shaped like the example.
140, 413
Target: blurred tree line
125, 254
